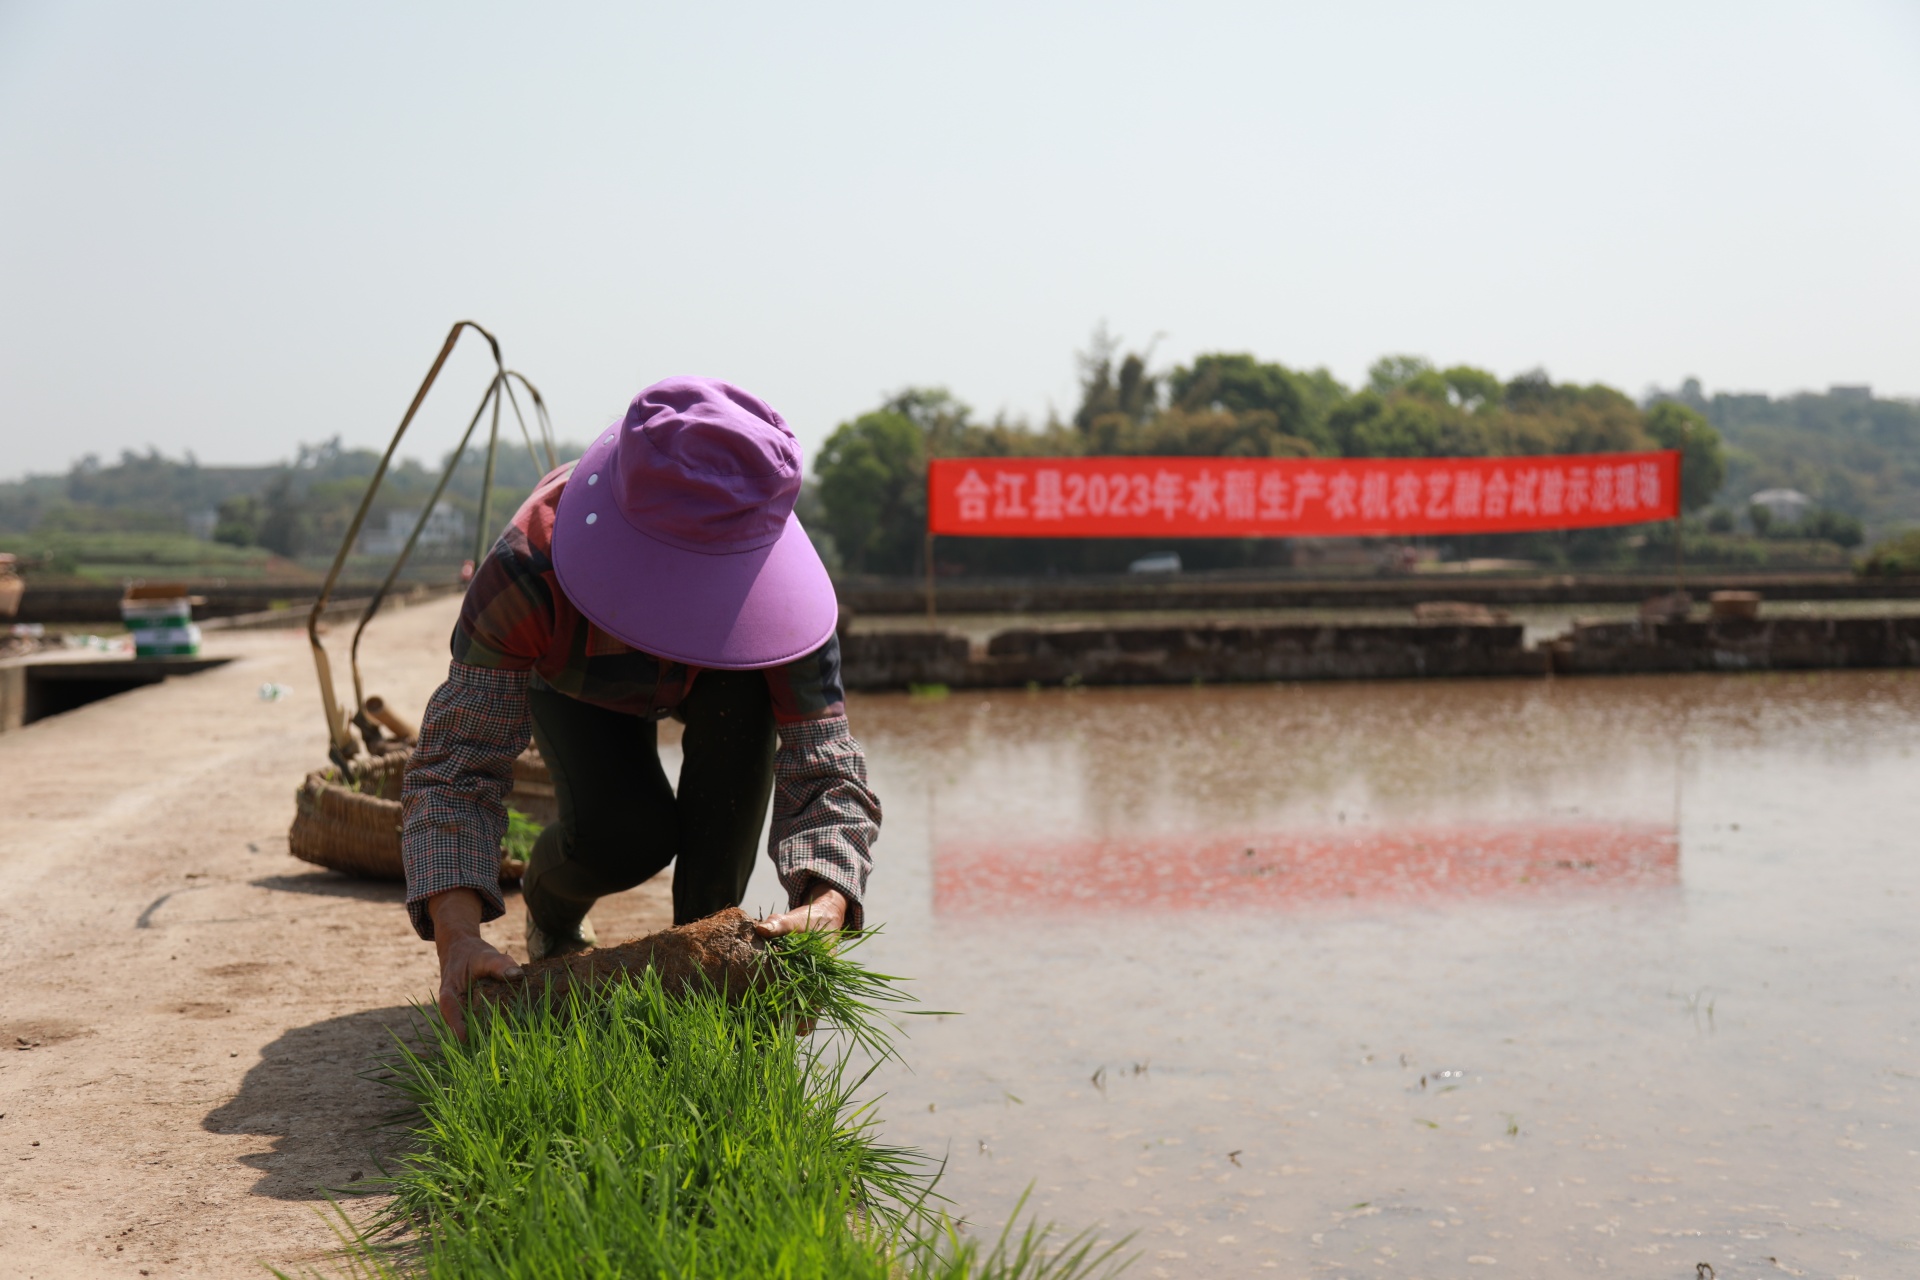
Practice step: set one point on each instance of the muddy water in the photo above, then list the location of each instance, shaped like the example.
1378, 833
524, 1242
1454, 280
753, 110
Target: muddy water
1424, 980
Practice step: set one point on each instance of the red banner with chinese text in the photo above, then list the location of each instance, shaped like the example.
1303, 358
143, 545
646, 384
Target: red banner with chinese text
1296, 497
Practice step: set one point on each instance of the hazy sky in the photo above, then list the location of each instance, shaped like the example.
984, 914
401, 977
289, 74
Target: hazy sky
232, 228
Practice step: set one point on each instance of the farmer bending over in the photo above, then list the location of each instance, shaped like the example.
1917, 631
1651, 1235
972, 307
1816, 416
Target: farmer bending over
662, 574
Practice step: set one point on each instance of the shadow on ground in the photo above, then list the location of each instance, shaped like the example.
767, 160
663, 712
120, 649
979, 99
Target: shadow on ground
318, 1096
331, 884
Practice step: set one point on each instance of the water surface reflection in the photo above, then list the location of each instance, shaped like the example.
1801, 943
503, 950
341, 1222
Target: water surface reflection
1542, 978
1228, 871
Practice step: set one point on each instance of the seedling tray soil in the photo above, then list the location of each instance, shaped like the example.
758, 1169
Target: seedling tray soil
721, 953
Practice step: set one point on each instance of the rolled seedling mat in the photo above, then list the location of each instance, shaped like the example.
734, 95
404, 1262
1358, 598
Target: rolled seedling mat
722, 952
350, 821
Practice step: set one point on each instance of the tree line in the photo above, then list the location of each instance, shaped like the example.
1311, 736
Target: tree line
868, 495
115, 517
1857, 458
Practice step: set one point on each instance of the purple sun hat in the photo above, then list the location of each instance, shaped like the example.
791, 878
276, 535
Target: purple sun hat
675, 533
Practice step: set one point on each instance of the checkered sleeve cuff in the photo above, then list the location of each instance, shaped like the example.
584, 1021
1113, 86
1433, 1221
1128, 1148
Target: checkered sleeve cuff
454, 800
825, 816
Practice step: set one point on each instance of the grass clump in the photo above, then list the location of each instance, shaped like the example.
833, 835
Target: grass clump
517, 844
640, 1133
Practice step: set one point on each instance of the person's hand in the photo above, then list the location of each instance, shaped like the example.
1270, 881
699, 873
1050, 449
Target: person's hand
465, 956
824, 911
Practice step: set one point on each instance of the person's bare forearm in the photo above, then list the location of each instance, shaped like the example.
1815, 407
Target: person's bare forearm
456, 913
464, 954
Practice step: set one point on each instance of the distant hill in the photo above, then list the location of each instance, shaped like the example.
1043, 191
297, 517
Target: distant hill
148, 514
1846, 449
140, 492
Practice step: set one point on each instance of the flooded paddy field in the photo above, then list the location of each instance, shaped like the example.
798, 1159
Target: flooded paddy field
1441, 979
1647, 942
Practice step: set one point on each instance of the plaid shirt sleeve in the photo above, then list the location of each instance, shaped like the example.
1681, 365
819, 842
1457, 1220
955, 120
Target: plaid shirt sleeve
454, 800
825, 816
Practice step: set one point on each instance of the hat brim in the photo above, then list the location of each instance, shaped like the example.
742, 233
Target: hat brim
739, 611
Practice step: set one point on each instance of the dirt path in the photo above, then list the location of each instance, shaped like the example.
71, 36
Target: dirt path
185, 1009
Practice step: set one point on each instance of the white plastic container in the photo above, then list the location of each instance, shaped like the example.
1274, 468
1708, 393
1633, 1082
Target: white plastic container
161, 628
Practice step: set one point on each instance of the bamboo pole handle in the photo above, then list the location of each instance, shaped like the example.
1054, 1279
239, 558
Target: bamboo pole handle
378, 709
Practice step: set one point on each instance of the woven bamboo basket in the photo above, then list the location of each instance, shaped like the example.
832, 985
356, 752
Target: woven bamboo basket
351, 822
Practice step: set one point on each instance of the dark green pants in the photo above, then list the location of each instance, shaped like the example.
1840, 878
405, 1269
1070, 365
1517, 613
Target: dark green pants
621, 822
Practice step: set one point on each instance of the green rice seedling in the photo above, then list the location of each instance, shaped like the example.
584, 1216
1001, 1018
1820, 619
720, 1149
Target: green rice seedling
633, 1132
522, 831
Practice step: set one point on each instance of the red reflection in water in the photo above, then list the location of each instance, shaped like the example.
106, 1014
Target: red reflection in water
1249, 870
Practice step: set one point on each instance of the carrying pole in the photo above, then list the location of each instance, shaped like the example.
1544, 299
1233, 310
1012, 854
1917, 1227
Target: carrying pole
932, 617
338, 734
400, 561
483, 535
1679, 518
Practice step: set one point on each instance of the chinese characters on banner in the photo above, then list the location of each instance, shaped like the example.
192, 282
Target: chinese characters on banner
1296, 497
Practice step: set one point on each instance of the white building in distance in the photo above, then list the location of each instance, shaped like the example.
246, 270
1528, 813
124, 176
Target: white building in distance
1784, 505
446, 527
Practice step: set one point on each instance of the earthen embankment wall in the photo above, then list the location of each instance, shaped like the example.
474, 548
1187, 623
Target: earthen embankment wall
1737, 644
1227, 653
1134, 593
1097, 655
